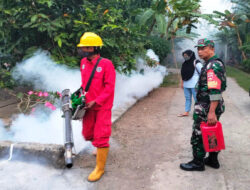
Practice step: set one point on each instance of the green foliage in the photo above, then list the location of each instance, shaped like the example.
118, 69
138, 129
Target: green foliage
56, 26
235, 32
167, 17
161, 23
171, 80
246, 65
146, 16
242, 78
6, 80
208, 17
246, 49
229, 38
159, 45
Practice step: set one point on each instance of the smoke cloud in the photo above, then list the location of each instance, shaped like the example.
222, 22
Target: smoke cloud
131, 88
45, 126
3, 133
44, 74
30, 176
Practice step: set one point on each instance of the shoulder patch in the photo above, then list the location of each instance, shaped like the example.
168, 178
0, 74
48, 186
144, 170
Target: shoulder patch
213, 82
98, 69
83, 66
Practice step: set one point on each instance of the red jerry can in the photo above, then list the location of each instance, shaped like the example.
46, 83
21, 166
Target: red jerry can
212, 136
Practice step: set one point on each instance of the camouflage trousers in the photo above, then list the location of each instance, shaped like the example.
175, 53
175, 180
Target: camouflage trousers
200, 115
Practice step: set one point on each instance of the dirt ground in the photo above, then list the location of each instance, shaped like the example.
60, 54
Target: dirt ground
149, 142
8, 104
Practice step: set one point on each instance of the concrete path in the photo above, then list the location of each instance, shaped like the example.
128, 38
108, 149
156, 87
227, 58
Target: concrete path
235, 160
148, 143
152, 142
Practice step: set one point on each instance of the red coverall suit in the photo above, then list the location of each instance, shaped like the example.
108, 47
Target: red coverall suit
97, 120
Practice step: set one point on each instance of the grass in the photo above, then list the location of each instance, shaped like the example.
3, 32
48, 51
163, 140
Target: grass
171, 80
242, 78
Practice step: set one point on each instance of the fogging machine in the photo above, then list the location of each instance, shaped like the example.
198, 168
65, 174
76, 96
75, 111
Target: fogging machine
73, 107
69, 114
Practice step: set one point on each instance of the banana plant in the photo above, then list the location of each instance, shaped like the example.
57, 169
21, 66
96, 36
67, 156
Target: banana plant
163, 15
236, 22
167, 17
155, 16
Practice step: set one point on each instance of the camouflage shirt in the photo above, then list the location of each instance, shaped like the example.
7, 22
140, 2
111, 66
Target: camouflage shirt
212, 81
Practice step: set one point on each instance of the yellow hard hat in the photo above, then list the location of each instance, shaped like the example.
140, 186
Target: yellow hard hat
90, 39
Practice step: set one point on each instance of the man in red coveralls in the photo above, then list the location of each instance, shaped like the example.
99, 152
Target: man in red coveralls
99, 99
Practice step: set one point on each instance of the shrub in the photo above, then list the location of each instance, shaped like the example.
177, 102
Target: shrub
56, 26
246, 65
160, 46
6, 80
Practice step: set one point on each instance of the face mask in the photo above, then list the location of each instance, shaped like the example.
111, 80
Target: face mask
83, 54
186, 58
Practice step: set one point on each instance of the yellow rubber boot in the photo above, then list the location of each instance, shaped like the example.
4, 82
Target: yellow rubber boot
101, 157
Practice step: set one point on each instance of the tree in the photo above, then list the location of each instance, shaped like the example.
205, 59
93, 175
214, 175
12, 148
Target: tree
235, 26
56, 26
234, 21
168, 17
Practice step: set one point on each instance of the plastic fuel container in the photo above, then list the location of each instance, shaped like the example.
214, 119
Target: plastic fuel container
212, 136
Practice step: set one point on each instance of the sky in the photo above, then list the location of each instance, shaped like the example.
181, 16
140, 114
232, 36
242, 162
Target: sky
208, 6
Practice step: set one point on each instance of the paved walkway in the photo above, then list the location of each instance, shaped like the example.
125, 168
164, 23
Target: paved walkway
148, 144
235, 160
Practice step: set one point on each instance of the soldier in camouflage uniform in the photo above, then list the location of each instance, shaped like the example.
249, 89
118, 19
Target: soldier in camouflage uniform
209, 106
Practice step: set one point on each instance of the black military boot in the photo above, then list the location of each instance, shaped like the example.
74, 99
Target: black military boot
194, 165
212, 160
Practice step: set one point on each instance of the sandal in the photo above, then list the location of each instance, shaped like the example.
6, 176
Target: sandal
183, 115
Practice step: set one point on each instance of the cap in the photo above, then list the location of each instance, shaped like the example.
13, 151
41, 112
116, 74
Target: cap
205, 42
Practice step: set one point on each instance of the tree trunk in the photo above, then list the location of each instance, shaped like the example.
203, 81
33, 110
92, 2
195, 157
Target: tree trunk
169, 25
244, 57
173, 51
151, 27
225, 54
174, 57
